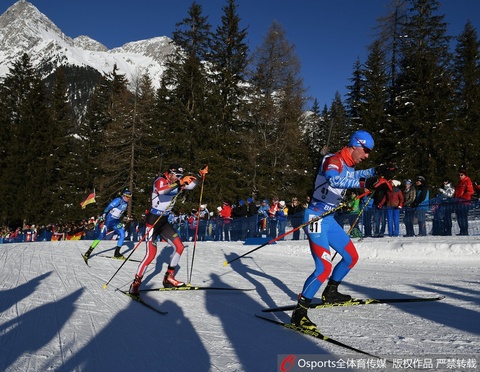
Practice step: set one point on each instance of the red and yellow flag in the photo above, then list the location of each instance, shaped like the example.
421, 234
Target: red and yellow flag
89, 200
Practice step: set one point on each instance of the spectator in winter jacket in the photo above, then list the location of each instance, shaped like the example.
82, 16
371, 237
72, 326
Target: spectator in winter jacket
239, 221
353, 209
295, 215
421, 204
263, 216
446, 207
272, 218
251, 218
379, 213
394, 203
409, 194
367, 215
463, 193
226, 216
281, 216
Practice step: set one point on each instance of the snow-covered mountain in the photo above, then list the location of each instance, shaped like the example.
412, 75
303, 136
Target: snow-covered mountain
24, 29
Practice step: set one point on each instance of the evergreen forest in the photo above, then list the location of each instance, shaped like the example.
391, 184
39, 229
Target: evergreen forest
244, 113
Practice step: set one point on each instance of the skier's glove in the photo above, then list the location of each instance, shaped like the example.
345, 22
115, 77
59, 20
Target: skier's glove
187, 180
380, 182
202, 172
369, 183
386, 170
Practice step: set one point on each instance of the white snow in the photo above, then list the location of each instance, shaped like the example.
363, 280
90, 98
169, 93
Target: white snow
55, 314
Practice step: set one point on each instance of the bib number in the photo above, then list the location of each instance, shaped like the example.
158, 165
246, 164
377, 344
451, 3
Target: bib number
315, 227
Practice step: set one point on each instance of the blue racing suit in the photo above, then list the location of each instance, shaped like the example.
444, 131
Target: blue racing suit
336, 174
113, 213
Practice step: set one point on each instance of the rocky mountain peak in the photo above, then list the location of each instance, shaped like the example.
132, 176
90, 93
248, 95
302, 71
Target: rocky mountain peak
24, 29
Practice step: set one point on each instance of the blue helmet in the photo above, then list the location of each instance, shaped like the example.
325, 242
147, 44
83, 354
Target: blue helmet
127, 193
361, 138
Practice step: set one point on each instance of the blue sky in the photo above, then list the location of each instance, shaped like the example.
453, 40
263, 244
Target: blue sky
329, 35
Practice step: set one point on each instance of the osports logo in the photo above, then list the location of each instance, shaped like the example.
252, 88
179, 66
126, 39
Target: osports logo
287, 363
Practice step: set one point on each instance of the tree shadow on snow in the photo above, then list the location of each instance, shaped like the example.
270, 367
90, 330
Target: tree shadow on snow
31, 331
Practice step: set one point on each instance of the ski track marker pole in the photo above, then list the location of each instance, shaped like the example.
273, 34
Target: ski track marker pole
341, 205
196, 229
143, 238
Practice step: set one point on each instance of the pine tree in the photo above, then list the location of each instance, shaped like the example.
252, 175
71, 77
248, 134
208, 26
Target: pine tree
373, 109
424, 100
343, 127
184, 86
27, 175
316, 130
67, 170
277, 112
145, 163
354, 95
466, 72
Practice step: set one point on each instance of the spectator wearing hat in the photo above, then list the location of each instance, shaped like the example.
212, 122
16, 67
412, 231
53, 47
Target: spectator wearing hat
394, 203
409, 194
226, 216
281, 216
295, 215
421, 204
463, 193
263, 216
445, 207
272, 218
353, 209
366, 204
252, 222
239, 221
204, 217
379, 213
218, 231
192, 223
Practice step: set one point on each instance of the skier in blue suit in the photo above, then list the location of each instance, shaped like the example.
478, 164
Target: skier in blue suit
111, 221
336, 174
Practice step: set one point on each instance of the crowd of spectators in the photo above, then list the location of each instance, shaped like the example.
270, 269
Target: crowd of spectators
229, 222
382, 212
364, 215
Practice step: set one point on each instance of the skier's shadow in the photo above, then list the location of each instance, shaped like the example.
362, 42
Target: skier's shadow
246, 333
14, 295
436, 311
250, 274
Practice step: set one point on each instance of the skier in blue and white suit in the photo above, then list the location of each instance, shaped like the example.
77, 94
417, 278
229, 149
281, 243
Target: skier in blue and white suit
112, 215
336, 174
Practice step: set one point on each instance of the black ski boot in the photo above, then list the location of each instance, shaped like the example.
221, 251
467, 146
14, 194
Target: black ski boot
331, 295
118, 254
299, 315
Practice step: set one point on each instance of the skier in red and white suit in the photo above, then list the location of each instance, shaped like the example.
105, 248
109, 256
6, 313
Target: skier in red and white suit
165, 188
